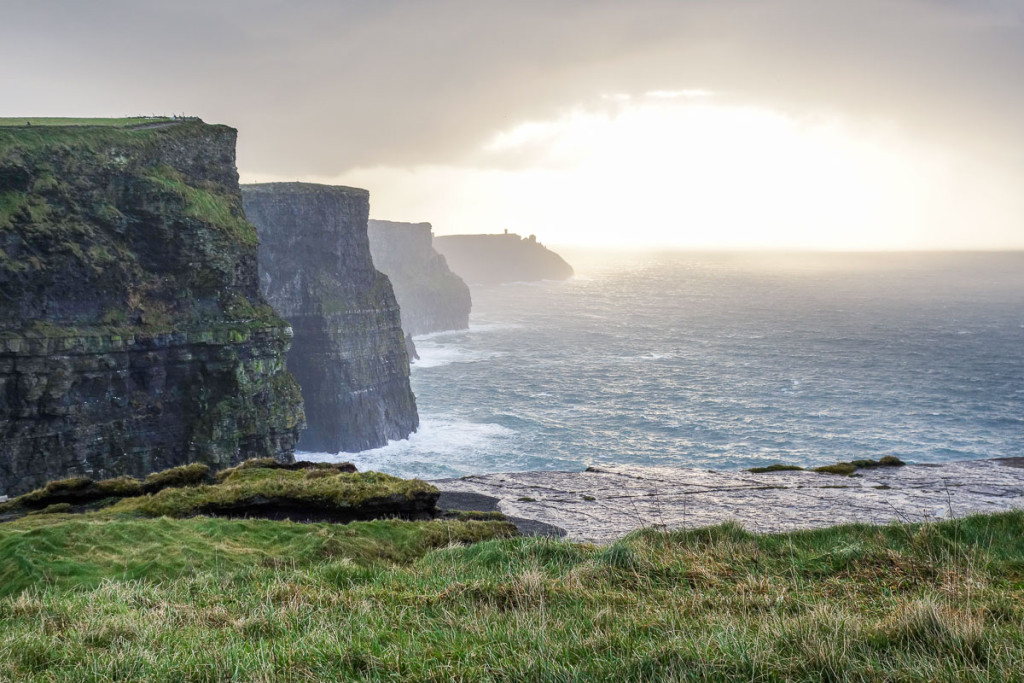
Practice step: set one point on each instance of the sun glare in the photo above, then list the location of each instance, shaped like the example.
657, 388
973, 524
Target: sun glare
683, 169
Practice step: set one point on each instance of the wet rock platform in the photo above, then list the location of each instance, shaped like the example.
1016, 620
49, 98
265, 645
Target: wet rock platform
607, 502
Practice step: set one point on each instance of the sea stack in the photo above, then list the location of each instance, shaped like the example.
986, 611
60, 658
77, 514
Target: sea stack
349, 353
431, 296
494, 259
133, 335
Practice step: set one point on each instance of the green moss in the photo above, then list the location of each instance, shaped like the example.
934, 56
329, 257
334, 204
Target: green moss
776, 467
843, 468
12, 203
211, 207
848, 468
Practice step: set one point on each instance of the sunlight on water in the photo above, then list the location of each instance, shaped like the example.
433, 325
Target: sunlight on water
727, 361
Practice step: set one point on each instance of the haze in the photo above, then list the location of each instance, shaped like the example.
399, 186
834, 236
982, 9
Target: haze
796, 124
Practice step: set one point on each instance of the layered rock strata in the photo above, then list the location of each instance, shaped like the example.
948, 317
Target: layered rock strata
605, 503
431, 296
133, 335
494, 259
349, 352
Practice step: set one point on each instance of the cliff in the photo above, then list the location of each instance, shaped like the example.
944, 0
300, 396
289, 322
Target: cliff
431, 296
349, 352
493, 259
133, 335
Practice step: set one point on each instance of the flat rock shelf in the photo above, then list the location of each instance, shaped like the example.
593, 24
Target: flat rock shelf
604, 503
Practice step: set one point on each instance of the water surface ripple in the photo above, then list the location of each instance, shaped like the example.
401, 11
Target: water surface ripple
726, 361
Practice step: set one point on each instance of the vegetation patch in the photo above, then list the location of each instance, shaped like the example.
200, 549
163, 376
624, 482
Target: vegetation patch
129, 122
776, 467
848, 468
259, 487
844, 468
314, 494
187, 475
216, 599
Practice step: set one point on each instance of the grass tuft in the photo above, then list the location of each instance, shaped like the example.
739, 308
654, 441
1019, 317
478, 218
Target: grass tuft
176, 477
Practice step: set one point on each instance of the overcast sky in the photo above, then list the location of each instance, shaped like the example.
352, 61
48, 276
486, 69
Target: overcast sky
412, 98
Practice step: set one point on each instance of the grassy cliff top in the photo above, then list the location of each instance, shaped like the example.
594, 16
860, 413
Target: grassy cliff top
255, 486
296, 188
127, 122
219, 599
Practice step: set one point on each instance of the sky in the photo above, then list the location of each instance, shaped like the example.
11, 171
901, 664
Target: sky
748, 124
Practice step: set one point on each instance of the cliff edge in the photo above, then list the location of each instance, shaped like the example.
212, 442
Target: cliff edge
493, 259
349, 352
432, 298
133, 335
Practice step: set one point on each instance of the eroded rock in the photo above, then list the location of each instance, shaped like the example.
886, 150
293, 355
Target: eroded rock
605, 503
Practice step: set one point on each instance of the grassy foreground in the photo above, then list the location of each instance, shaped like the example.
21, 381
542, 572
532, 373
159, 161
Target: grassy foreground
206, 599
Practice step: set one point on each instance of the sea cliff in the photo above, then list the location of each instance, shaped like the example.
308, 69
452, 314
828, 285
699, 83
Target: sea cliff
133, 335
494, 259
349, 353
432, 298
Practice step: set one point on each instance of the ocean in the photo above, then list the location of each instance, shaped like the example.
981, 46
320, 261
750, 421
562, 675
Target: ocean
725, 361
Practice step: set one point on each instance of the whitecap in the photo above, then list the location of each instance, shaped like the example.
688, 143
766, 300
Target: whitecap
437, 355
441, 447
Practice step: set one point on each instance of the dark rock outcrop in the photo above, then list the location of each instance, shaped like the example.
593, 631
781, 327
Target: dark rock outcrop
133, 335
431, 296
349, 352
494, 259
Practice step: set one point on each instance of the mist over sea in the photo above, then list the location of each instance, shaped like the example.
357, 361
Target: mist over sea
726, 361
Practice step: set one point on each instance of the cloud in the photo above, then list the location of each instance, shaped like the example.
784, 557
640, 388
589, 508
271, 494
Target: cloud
318, 86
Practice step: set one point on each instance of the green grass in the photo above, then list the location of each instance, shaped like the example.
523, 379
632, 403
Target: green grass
106, 123
192, 490
320, 487
212, 599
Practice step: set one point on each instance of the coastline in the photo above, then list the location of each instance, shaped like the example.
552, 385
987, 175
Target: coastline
602, 504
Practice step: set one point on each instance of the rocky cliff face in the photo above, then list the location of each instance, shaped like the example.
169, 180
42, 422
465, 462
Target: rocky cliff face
431, 296
349, 352
493, 259
133, 335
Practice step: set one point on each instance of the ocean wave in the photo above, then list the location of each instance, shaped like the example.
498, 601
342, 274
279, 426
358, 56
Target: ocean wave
433, 356
441, 447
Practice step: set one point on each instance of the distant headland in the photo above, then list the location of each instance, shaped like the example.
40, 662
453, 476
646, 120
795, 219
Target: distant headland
507, 257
